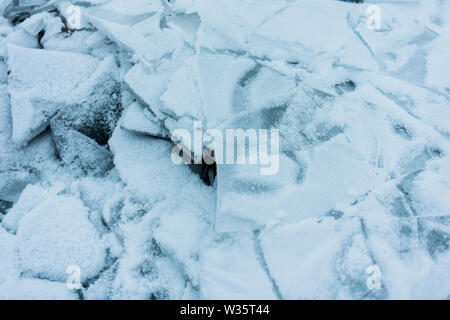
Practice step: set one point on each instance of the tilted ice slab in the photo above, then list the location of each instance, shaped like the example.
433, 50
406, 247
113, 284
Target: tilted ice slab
21, 166
31, 196
39, 82
140, 32
138, 119
149, 83
144, 164
81, 100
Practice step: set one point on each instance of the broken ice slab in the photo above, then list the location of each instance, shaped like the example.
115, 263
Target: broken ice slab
321, 258
96, 114
138, 32
31, 196
80, 131
144, 164
19, 167
80, 153
139, 119
150, 83
39, 82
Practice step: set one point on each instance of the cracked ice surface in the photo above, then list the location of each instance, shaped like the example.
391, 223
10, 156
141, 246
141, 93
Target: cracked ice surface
89, 118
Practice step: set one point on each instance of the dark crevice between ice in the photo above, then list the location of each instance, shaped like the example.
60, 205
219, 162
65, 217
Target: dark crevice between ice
111, 266
383, 292
206, 172
262, 260
343, 87
405, 187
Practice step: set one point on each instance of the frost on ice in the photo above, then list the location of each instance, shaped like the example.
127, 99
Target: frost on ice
92, 101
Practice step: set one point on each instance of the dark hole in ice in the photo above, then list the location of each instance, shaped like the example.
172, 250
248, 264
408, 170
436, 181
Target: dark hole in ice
206, 172
40, 36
